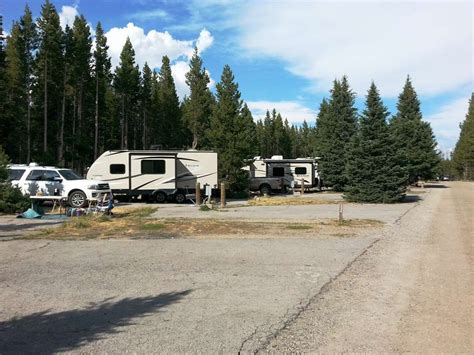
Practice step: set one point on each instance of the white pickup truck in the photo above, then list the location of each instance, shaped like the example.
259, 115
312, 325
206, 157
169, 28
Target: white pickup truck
51, 181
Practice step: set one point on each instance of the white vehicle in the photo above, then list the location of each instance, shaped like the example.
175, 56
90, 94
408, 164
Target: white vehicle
292, 170
157, 174
51, 181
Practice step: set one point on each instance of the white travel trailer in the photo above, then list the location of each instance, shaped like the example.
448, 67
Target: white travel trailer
292, 170
157, 174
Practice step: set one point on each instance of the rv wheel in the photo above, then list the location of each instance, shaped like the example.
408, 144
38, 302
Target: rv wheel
161, 197
180, 197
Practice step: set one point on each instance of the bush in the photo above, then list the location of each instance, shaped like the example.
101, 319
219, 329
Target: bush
12, 199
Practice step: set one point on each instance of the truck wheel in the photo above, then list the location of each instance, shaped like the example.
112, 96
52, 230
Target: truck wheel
77, 199
161, 197
265, 190
180, 197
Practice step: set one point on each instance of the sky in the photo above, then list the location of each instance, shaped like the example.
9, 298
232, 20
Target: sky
286, 53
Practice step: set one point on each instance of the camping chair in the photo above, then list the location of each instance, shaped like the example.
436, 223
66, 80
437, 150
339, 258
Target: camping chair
102, 205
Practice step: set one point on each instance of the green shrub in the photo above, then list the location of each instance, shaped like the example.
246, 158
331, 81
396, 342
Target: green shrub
11, 198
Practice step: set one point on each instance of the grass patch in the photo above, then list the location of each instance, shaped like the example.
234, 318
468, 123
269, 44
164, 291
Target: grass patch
152, 226
288, 201
130, 212
357, 223
298, 227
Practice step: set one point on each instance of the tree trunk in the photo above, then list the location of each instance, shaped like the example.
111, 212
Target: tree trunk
195, 141
28, 131
122, 120
96, 131
73, 140
45, 112
144, 130
61, 128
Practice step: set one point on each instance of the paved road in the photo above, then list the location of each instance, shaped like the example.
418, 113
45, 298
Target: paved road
406, 287
410, 292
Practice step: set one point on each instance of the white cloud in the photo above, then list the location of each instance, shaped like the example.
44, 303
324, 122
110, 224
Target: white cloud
445, 122
294, 111
150, 15
380, 41
152, 46
67, 16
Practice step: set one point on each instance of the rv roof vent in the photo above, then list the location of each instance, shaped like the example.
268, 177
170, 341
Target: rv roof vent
277, 157
33, 164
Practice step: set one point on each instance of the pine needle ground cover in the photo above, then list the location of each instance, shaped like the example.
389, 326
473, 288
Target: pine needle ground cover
135, 223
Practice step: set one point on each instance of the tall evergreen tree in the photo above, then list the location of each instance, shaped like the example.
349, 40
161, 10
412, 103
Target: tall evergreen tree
3, 86
414, 137
373, 168
16, 96
146, 103
102, 78
169, 111
463, 156
232, 133
127, 83
49, 79
335, 127
67, 137
198, 106
30, 44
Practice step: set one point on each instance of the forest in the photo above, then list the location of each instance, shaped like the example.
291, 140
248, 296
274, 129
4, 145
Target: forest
63, 104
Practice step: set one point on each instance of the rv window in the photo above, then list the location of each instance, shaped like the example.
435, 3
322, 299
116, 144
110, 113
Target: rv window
153, 167
279, 171
300, 171
117, 168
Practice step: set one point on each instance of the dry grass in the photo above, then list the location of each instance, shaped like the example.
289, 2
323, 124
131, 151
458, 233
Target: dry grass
286, 201
133, 222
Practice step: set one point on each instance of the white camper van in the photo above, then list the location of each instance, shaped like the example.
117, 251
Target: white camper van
293, 170
158, 174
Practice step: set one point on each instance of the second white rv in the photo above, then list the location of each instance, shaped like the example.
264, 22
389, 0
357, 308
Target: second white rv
156, 174
292, 170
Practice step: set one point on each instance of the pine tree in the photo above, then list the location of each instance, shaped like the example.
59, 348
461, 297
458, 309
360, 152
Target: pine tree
3, 86
373, 168
126, 84
67, 132
30, 44
49, 80
197, 107
414, 137
320, 126
146, 102
16, 96
232, 133
102, 76
463, 156
336, 124
169, 112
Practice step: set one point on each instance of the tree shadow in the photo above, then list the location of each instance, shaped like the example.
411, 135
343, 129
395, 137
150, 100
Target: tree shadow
410, 199
46, 333
436, 186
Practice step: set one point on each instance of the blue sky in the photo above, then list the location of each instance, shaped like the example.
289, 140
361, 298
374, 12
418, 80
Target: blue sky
285, 54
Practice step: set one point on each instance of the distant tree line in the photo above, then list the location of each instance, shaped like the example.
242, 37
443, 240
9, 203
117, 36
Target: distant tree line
63, 104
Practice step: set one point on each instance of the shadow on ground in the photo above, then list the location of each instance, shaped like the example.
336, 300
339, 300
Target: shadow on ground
16, 227
46, 333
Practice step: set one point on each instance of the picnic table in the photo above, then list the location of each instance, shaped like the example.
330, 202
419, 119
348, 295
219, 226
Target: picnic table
57, 202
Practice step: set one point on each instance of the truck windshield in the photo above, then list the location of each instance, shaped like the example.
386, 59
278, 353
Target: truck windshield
70, 175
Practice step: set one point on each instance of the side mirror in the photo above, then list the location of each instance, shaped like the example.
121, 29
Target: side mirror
57, 179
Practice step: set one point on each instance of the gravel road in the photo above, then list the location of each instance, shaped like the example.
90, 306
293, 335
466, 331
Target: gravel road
412, 291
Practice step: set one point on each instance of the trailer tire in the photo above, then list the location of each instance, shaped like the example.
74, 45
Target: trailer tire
161, 197
265, 189
180, 197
